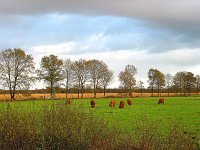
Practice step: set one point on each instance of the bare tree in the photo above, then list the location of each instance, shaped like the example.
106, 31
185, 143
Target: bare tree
68, 75
51, 72
106, 78
140, 86
80, 69
127, 78
16, 70
96, 72
169, 82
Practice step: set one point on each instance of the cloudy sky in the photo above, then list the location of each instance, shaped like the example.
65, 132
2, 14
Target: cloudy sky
161, 34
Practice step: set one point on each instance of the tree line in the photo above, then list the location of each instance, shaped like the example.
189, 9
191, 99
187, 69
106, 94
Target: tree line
18, 72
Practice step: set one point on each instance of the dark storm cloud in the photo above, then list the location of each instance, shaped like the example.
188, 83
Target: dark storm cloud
166, 24
185, 11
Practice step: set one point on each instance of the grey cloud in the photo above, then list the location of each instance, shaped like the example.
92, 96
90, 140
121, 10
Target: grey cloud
164, 11
169, 24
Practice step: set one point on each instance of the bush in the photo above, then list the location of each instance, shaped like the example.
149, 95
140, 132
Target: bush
62, 127
55, 127
149, 136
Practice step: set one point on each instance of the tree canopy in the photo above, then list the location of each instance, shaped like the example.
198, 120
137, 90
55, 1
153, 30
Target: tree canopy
50, 71
127, 78
16, 70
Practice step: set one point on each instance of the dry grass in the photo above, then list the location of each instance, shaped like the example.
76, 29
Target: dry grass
5, 97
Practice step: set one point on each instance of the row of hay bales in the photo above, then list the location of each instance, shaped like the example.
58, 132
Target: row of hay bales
113, 102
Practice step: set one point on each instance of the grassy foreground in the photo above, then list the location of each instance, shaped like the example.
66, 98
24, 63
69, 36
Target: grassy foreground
144, 125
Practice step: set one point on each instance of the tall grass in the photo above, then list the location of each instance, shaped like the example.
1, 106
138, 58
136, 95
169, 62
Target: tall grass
58, 126
149, 137
54, 127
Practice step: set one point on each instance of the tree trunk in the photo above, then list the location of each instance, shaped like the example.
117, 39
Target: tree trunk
160, 91
66, 92
104, 91
180, 88
51, 90
94, 90
12, 96
82, 93
78, 89
82, 87
184, 89
130, 92
176, 91
66, 89
168, 91
13, 90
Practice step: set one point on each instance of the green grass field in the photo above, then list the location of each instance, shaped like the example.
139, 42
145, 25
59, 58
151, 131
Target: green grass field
183, 111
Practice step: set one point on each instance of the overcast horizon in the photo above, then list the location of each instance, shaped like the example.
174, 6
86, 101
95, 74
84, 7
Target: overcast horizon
159, 34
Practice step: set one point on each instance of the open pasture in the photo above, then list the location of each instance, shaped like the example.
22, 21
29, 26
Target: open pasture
183, 111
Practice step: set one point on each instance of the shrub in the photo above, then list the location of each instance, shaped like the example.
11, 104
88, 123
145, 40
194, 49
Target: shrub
55, 127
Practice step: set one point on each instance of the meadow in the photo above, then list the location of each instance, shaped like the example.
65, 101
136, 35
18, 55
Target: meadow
144, 120
183, 111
